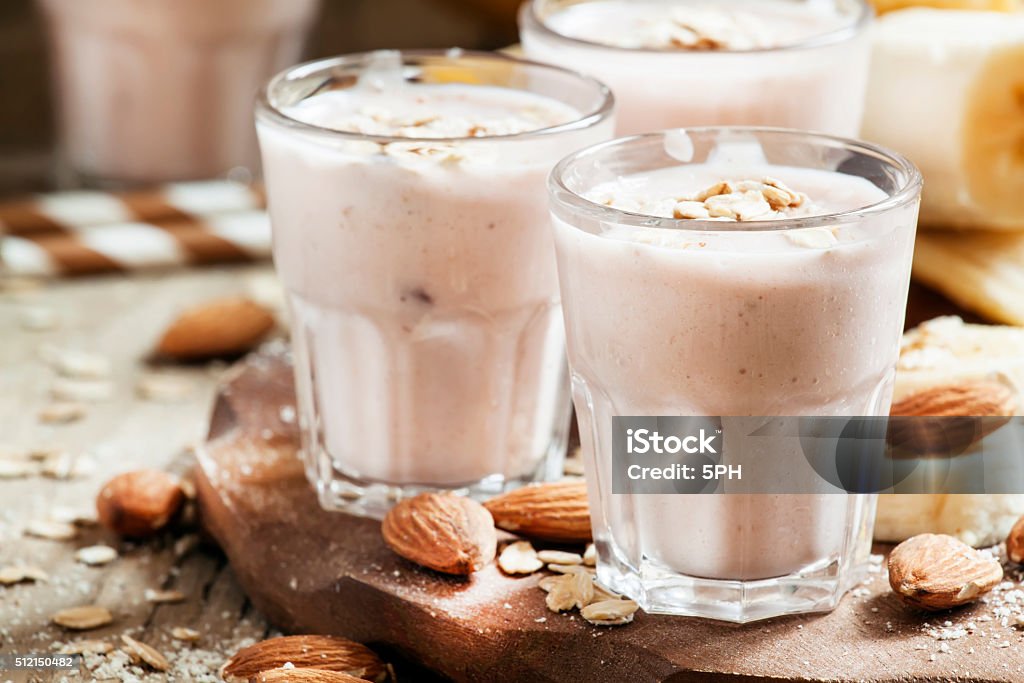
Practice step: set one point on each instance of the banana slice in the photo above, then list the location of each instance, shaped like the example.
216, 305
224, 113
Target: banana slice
883, 6
940, 351
947, 90
947, 349
981, 271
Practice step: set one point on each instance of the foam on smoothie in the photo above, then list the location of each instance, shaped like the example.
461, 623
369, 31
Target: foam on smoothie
384, 103
672, 193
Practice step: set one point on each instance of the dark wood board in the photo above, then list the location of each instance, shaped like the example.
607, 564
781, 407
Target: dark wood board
312, 571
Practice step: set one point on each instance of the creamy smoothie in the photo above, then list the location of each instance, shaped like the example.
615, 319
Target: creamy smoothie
160, 90
792, 316
411, 234
789, 63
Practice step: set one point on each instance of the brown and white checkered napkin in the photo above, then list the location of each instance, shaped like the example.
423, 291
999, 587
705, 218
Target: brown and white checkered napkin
78, 233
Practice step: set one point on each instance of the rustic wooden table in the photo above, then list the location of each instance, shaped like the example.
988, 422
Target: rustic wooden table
120, 318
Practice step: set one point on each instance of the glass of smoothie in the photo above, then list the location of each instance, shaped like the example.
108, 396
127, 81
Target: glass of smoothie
152, 91
727, 274
411, 232
672, 63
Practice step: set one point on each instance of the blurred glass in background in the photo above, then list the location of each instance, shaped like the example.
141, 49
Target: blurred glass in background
29, 114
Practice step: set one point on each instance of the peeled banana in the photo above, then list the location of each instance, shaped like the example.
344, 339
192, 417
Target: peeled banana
883, 6
942, 351
947, 89
982, 271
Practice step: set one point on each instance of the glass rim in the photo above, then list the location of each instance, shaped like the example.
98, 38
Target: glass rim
843, 33
266, 109
561, 195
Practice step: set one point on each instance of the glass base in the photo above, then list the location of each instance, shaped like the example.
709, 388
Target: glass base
659, 590
340, 492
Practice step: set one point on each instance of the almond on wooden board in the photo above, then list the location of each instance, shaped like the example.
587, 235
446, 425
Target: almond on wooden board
1015, 542
555, 511
304, 676
223, 327
326, 653
936, 572
140, 503
949, 436
442, 531
974, 398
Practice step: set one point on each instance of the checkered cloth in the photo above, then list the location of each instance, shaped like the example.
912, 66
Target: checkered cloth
79, 233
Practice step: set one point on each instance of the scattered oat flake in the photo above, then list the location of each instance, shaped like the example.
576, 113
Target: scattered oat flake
583, 588
96, 555
17, 469
519, 558
183, 633
48, 529
83, 618
64, 389
85, 647
141, 652
609, 612
41, 453
163, 596
568, 568
603, 593
562, 595
78, 517
573, 466
12, 575
559, 557
62, 412
548, 582
77, 364
167, 388
67, 466
590, 555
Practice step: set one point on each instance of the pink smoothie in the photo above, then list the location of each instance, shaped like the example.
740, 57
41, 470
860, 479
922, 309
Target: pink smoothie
421, 278
160, 90
679, 63
731, 323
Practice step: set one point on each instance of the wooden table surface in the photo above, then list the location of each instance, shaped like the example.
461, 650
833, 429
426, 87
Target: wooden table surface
120, 318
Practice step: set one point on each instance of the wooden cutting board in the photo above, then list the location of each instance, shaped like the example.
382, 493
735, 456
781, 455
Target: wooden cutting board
312, 571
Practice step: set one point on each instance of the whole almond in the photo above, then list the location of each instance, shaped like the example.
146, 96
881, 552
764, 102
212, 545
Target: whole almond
959, 406
224, 327
936, 572
327, 653
442, 531
557, 511
304, 676
1015, 542
973, 398
140, 503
